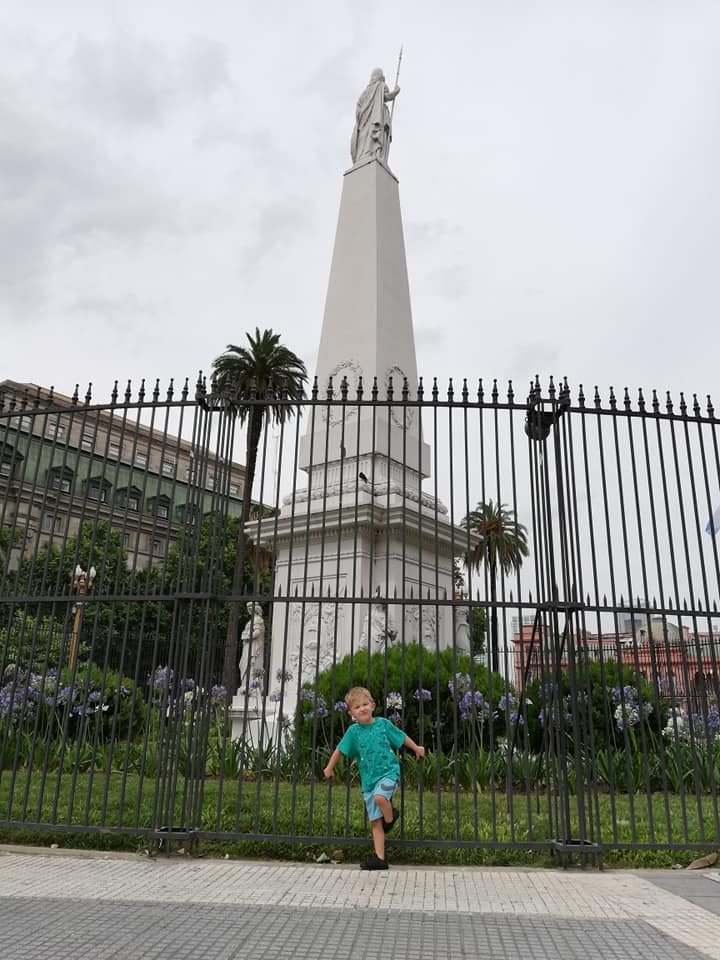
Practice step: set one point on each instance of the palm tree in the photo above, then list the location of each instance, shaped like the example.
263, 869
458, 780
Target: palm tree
260, 379
500, 542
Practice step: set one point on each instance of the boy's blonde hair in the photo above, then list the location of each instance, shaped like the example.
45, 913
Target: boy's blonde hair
355, 692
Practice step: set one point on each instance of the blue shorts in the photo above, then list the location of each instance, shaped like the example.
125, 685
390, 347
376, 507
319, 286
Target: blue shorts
385, 787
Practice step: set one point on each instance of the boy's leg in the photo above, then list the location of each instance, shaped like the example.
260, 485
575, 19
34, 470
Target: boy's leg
378, 835
385, 807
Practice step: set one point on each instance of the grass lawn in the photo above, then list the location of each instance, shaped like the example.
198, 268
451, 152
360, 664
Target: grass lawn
437, 826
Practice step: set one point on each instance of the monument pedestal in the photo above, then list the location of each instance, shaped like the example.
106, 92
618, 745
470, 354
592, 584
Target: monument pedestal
252, 719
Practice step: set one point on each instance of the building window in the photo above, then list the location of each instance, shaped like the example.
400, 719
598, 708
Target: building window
87, 441
98, 490
26, 424
234, 490
114, 448
157, 548
160, 507
9, 460
129, 497
168, 467
126, 541
54, 430
210, 482
141, 458
53, 522
61, 479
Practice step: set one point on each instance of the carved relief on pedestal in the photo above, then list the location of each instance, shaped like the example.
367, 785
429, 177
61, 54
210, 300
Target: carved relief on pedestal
313, 633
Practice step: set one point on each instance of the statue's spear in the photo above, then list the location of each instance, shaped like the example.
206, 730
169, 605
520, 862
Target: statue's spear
397, 77
392, 108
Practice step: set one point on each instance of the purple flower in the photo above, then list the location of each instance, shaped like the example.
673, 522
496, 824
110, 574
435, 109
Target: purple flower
340, 707
422, 694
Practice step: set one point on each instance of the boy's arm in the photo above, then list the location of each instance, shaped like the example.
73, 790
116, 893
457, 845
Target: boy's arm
330, 768
419, 751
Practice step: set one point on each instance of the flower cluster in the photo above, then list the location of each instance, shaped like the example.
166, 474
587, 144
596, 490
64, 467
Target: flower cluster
629, 711
687, 727
422, 694
316, 702
459, 685
474, 706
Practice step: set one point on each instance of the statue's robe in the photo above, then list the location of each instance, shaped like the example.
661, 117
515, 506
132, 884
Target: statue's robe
371, 134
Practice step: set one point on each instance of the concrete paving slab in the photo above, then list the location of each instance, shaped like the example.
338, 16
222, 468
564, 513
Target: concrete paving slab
76, 907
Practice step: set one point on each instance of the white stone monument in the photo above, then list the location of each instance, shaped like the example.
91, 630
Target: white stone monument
362, 536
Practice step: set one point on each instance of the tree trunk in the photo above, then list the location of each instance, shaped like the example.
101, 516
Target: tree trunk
493, 662
231, 655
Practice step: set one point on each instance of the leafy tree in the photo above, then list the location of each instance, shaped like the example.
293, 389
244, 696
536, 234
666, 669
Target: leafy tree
263, 381
499, 542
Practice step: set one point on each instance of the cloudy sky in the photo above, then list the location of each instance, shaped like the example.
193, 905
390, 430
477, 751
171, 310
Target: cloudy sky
170, 175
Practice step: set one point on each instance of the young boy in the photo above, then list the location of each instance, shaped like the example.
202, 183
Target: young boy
373, 740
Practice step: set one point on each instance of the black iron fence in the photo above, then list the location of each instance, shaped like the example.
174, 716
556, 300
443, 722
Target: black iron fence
527, 587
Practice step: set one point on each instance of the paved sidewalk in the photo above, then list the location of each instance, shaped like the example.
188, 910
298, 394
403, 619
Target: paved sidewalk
73, 907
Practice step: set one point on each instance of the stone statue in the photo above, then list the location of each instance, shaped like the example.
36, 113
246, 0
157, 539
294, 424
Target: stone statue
372, 134
463, 640
252, 658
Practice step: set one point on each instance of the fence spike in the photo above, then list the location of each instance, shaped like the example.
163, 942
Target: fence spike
359, 388
581, 397
494, 392
551, 388
696, 406
156, 391
435, 390
389, 389
641, 399
683, 405
412, 593
345, 591
604, 603
171, 389
613, 400
465, 394
668, 402
699, 604
587, 601
296, 590
710, 408
374, 391
420, 390
596, 398
405, 392
312, 589
450, 391
344, 388
480, 391
444, 593
128, 392
74, 399
314, 391
88, 395
329, 391
655, 402
715, 609
185, 389
395, 592
510, 393
626, 399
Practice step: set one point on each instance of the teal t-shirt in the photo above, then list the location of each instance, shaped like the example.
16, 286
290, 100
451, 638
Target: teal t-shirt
374, 745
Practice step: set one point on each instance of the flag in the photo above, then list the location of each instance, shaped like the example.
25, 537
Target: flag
713, 523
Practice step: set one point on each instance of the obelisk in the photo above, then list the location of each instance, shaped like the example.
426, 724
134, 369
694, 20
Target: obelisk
359, 548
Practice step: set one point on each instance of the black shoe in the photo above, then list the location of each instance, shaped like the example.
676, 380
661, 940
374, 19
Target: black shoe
387, 827
374, 863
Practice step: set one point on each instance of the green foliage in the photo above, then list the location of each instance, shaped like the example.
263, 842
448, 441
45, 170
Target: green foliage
595, 708
412, 687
